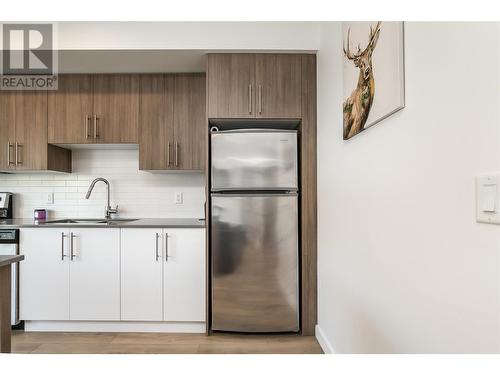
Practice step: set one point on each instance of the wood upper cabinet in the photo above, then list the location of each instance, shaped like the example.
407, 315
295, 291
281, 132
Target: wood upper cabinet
70, 110
278, 80
7, 131
189, 121
98, 108
254, 86
31, 130
157, 119
173, 122
116, 108
231, 86
23, 134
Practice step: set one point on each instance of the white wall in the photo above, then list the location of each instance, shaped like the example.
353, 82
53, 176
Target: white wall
403, 266
293, 36
139, 194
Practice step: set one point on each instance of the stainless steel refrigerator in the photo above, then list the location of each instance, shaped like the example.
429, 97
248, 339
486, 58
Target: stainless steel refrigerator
254, 230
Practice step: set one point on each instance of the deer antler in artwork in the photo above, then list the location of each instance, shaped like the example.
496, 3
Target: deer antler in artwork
357, 106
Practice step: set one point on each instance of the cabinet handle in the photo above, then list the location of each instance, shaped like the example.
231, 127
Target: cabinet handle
166, 247
260, 99
63, 236
18, 154
157, 254
250, 99
176, 154
96, 132
72, 248
9, 147
86, 121
168, 155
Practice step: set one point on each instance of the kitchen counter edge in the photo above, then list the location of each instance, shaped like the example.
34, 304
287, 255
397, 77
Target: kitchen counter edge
7, 260
139, 223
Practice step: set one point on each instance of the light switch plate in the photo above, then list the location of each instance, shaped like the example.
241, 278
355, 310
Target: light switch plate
50, 198
487, 198
179, 198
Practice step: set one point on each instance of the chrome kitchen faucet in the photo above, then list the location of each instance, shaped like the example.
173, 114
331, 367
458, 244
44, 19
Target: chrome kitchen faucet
108, 211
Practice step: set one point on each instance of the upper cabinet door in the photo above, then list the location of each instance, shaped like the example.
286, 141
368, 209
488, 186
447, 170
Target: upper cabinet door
70, 110
31, 130
157, 118
116, 108
278, 81
7, 130
231, 86
190, 121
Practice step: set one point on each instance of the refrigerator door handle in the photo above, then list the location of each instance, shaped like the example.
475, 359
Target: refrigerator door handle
254, 194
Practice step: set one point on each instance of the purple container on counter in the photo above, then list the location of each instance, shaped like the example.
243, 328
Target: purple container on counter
40, 214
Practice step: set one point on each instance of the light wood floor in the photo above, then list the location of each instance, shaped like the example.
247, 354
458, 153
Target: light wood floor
160, 343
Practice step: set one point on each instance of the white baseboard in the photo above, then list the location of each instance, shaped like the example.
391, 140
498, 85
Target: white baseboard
100, 326
323, 341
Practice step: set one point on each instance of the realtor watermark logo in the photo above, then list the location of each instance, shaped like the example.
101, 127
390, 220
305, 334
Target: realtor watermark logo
29, 57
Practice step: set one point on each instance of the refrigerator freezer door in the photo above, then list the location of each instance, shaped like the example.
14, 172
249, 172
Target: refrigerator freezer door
254, 160
254, 263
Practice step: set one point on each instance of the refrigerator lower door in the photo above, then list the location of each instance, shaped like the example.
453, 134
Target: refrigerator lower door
254, 160
254, 242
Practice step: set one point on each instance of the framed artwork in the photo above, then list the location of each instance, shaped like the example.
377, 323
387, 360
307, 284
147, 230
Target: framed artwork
373, 73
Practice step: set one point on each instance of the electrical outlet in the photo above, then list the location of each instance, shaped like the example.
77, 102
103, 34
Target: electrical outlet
50, 198
179, 198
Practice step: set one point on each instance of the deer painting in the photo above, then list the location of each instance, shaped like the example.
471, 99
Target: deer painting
357, 106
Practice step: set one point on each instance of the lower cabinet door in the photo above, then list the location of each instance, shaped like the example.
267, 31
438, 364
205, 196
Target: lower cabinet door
94, 274
141, 274
44, 274
184, 275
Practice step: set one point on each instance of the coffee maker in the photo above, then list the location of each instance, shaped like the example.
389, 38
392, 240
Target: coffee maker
6, 210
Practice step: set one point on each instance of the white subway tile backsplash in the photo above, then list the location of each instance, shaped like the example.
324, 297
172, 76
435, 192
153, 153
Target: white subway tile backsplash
138, 193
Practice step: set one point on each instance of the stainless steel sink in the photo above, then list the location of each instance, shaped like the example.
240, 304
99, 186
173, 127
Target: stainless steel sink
76, 221
86, 221
118, 221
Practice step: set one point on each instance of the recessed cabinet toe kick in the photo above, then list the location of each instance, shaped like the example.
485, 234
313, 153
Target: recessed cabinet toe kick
119, 279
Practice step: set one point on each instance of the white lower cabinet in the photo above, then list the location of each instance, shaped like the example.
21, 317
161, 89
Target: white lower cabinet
70, 274
94, 274
141, 274
184, 275
163, 275
113, 275
44, 274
